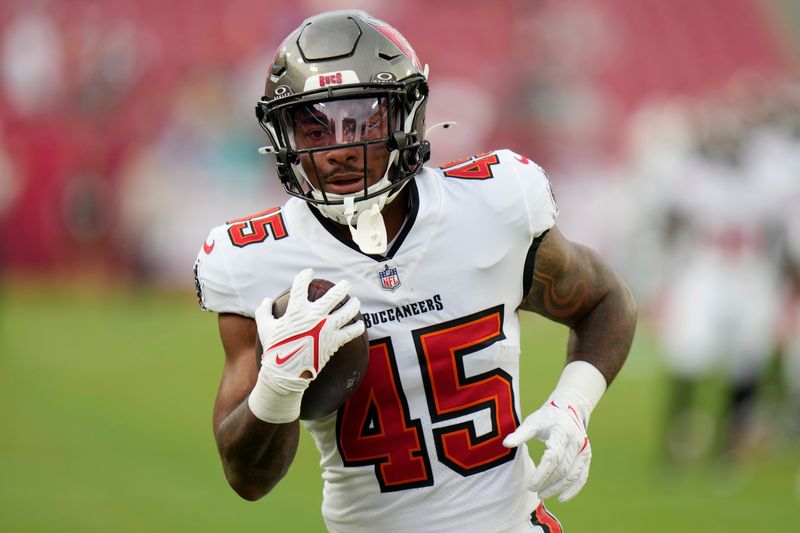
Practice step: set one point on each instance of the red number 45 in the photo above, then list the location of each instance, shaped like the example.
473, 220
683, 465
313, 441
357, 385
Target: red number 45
374, 426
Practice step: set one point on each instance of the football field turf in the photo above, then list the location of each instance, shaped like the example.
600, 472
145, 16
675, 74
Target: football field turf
106, 426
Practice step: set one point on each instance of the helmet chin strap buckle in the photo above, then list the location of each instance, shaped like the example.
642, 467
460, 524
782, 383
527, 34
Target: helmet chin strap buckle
369, 232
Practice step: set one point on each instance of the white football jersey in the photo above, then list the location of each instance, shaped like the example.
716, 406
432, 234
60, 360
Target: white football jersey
418, 447
723, 298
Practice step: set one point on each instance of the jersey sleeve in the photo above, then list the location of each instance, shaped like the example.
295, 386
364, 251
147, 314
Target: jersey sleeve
537, 193
213, 281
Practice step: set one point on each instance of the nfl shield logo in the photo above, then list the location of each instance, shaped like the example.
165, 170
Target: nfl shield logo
389, 278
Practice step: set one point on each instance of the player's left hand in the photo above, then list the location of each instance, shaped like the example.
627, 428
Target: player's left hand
564, 466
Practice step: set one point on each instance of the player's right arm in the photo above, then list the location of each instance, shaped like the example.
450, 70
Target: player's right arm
255, 454
257, 410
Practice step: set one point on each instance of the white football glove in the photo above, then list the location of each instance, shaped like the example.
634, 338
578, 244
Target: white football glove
561, 424
564, 466
298, 345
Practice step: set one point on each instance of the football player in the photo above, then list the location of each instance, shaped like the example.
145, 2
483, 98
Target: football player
722, 294
439, 262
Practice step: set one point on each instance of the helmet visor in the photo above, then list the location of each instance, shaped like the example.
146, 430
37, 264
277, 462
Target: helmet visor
336, 122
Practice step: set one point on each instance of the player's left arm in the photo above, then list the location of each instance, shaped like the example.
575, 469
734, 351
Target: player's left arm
573, 286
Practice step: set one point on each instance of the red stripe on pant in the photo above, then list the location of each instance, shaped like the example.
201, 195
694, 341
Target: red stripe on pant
542, 517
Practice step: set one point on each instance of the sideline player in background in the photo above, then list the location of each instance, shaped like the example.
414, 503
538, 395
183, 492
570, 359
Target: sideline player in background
439, 261
723, 264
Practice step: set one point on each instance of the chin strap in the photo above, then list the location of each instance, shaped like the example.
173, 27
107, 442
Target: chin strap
369, 232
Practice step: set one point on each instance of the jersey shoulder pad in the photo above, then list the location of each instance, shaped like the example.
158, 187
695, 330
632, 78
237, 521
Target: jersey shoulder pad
229, 256
216, 290
478, 167
257, 228
510, 176
537, 192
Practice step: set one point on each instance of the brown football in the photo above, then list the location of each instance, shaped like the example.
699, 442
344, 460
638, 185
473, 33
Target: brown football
341, 376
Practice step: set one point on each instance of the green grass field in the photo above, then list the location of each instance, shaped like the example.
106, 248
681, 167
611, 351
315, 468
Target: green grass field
106, 426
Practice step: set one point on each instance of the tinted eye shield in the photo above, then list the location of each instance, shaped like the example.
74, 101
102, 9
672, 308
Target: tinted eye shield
348, 131
304, 124
270, 111
397, 91
337, 122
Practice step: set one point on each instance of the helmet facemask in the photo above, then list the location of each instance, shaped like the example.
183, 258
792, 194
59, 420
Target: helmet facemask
349, 156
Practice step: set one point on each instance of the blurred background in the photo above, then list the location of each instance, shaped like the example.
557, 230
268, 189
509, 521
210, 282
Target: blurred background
671, 133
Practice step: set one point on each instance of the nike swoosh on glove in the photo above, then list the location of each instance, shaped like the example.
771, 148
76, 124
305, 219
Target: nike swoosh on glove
298, 345
564, 466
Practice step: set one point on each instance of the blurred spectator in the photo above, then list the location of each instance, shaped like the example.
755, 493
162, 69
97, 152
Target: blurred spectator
32, 34
719, 215
202, 166
91, 95
9, 181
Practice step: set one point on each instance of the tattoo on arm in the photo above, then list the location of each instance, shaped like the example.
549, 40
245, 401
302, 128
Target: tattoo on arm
563, 287
573, 286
